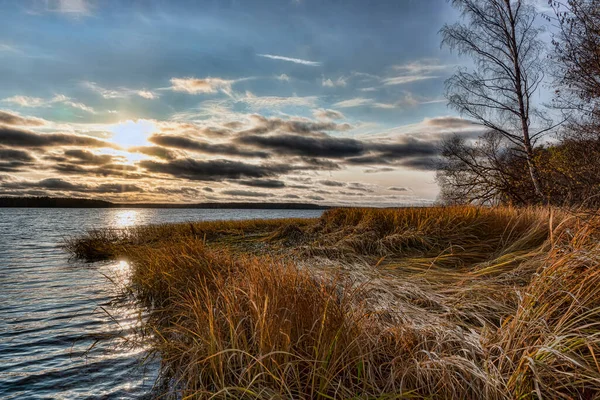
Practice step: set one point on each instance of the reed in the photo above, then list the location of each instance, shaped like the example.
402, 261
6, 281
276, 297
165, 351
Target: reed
458, 302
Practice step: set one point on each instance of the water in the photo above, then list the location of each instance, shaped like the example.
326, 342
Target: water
54, 313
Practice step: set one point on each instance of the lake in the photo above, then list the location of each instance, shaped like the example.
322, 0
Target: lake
61, 334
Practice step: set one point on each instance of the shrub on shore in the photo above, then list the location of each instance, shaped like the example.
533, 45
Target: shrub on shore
458, 302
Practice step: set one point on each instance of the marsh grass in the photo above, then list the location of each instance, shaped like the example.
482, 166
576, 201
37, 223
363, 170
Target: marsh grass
456, 302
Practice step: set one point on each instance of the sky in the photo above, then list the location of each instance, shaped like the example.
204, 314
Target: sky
329, 102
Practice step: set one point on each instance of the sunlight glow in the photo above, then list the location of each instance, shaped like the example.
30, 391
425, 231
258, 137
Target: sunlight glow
133, 133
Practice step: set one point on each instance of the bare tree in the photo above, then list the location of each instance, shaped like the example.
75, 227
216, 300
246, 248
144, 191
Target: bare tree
488, 171
502, 38
577, 52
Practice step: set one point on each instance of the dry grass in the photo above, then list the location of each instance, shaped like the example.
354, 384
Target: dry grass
410, 303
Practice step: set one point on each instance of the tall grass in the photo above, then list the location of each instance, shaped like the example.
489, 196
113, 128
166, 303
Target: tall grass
456, 302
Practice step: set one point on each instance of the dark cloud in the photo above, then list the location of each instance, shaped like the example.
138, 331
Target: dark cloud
421, 163
319, 163
360, 187
409, 148
15, 155
14, 166
398, 189
154, 151
263, 183
332, 183
314, 197
186, 191
207, 189
450, 123
365, 160
58, 184
214, 170
184, 143
245, 193
307, 146
12, 160
107, 170
351, 194
267, 125
89, 158
291, 196
376, 170
15, 119
21, 138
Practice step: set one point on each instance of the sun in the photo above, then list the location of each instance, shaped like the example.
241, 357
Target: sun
132, 133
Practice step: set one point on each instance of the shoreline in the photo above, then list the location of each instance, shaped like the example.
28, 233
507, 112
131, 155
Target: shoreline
420, 302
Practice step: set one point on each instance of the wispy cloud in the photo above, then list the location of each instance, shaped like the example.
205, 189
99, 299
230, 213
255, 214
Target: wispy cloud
38, 102
8, 48
401, 80
206, 85
119, 92
420, 67
260, 102
355, 102
74, 8
289, 59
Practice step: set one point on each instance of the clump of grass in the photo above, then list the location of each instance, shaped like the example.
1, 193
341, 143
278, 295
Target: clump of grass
458, 302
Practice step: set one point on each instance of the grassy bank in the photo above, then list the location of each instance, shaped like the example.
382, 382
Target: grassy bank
410, 303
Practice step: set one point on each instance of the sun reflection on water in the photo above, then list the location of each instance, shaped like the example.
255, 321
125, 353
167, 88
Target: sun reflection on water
126, 218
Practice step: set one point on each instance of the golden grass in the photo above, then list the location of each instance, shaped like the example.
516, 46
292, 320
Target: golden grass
458, 302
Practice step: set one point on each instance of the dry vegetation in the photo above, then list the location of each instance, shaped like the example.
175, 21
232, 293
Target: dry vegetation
456, 302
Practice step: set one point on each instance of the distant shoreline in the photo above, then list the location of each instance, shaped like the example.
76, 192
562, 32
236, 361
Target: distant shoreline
65, 202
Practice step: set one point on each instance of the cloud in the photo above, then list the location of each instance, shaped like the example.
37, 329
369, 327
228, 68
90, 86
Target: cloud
398, 189
206, 85
120, 92
421, 67
214, 170
75, 8
341, 81
88, 158
21, 138
327, 114
154, 151
264, 125
8, 48
289, 59
26, 101
245, 193
449, 123
332, 183
58, 184
12, 160
355, 102
402, 80
284, 77
263, 183
38, 102
270, 102
377, 170
184, 143
15, 155
305, 145
9, 118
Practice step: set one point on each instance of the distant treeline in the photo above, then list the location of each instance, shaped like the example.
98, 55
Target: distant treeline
64, 202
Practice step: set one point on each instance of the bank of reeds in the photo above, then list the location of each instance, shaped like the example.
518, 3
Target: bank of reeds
458, 302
